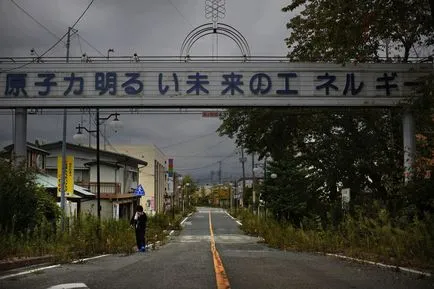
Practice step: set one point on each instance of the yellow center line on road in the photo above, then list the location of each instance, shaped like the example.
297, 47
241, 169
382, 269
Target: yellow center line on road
220, 273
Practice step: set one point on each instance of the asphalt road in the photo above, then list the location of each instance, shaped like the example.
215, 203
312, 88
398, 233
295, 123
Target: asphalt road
188, 261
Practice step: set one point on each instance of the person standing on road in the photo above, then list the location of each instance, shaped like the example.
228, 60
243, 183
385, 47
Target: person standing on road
138, 221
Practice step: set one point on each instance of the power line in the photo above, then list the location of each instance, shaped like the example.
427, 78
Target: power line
91, 46
188, 140
207, 148
79, 43
34, 19
53, 34
57, 42
206, 166
180, 13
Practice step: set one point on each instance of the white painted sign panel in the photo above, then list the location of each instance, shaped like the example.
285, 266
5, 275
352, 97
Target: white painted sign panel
213, 84
345, 195
170, 186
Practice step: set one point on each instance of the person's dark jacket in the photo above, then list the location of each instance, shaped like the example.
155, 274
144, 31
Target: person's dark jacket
140, 223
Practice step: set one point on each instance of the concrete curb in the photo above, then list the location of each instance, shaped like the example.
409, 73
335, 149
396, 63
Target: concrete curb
236, 220
90, 258
28, 272
185, 219
13, 264
40, 260
404, 269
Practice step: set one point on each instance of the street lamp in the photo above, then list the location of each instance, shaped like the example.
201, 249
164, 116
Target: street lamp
108, 52
272, 175
256, 170
80, 138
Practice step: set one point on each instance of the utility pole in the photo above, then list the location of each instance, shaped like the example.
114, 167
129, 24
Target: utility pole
253, 182
98, 172
235, 193
264, 186
65, 119
173, 195
243, 160
220, 172
220, 181
387, 49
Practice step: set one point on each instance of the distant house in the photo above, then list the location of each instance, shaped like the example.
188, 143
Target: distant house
37, 160
118, 177
36, 156
73, 205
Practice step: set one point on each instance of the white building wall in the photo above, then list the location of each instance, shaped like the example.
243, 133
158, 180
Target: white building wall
152, 177
88, 207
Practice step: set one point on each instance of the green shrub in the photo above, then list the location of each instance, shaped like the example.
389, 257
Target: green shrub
23, 204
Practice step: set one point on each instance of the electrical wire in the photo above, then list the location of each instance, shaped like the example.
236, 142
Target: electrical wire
207, 148
79, 44
34, 19
189, 140
53, 34
206, 166
57, 42
179, 12
90, 45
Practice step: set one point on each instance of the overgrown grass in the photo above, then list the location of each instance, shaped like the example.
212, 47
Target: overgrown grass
376, 239
83, 237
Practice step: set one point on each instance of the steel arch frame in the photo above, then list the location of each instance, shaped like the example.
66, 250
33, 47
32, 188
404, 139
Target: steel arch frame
206, 29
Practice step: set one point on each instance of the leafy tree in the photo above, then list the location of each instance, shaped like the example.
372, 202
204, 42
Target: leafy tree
342, 30
347, 148
23, 204
356, 148
248, 197
289, 196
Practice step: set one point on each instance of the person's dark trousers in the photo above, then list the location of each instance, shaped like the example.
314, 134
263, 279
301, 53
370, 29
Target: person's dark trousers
140, 239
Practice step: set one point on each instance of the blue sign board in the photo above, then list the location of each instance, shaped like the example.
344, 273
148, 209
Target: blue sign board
139, 191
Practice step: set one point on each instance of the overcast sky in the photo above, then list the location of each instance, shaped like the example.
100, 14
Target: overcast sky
147, 28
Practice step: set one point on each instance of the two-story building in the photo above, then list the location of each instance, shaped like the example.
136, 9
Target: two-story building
153, 177
119, 174
36, 160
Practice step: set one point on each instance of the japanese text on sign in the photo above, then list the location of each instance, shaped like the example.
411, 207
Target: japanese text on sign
136, 83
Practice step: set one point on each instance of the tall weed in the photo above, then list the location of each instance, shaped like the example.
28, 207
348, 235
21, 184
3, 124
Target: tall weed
82, 236
377, 238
